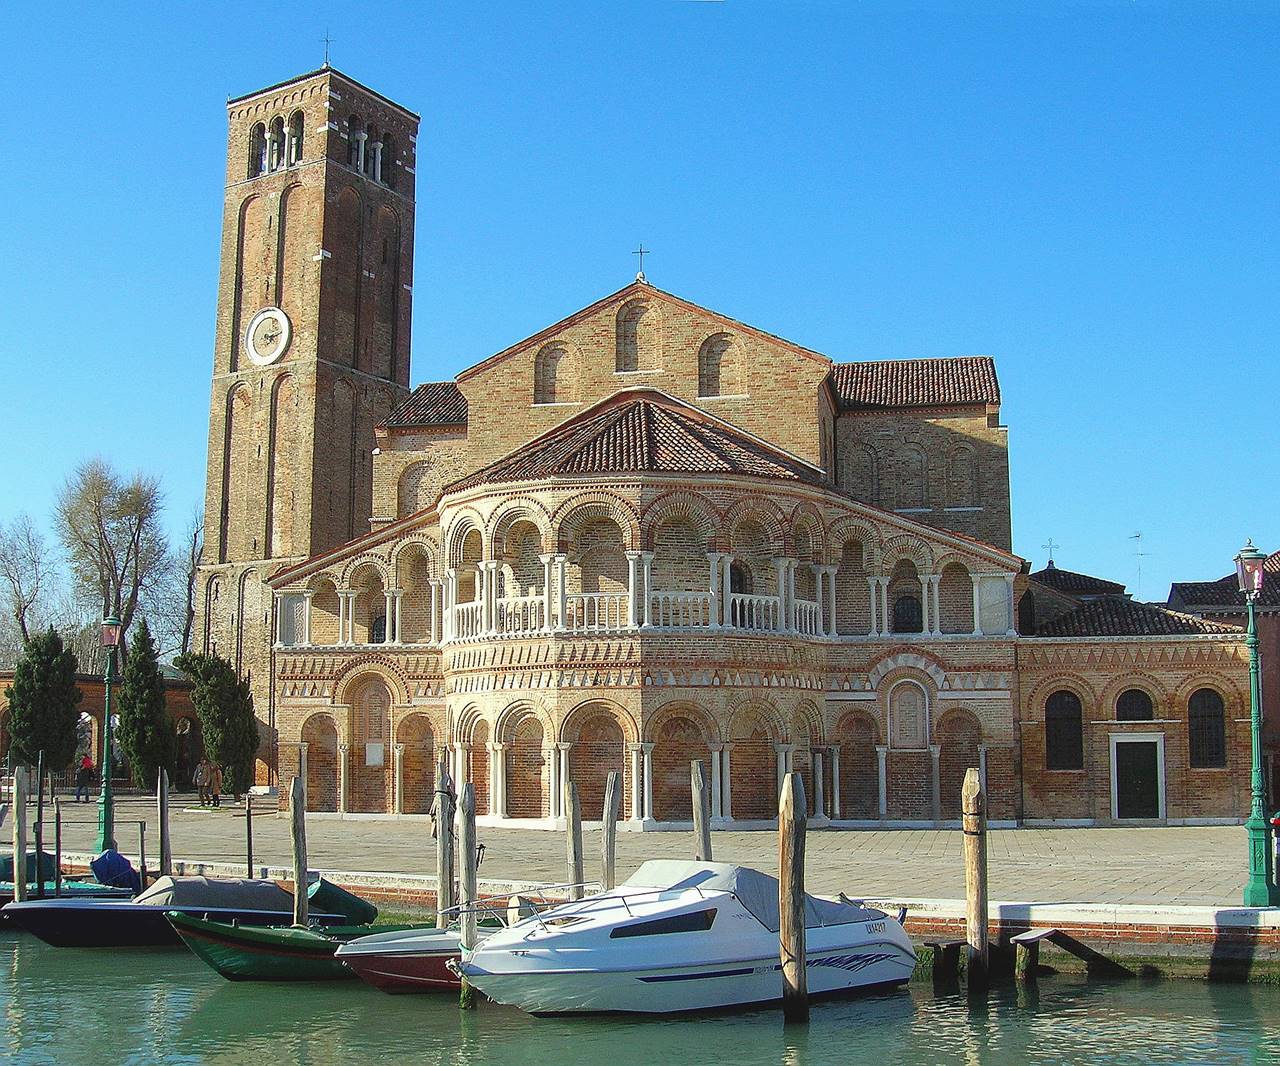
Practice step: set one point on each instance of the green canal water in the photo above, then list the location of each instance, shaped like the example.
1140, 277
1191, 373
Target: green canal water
102, 1007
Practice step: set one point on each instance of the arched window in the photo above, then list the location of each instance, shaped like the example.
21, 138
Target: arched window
713, 373
907, 615
913, 475
378, 629
296, 130
1134, 705
1063, 732
275, 156
962, 478
627, 354
549, 375
739, 578
355, 142
1206, 730
257, 150
908, 716
370, 151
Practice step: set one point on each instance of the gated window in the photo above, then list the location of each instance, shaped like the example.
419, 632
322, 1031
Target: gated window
378, 629
1134, 705
907, 616
1206, 729
1063, 732
739, 578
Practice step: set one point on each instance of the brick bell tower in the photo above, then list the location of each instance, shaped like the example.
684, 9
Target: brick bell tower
312, 346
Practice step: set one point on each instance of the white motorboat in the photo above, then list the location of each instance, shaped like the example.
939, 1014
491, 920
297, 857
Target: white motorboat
682, 936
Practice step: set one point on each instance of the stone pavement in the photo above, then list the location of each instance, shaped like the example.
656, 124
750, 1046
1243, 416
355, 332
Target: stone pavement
1202, 865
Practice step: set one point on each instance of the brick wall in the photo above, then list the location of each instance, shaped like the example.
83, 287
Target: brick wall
527, 776
418, 766
677, 742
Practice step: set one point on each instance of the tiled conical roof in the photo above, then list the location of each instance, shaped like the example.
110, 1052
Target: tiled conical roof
1114, 617
646, 432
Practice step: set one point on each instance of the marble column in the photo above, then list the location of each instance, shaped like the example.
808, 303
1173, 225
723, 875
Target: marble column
926, 604
548, 603
882, 755
977, 604
647, 618
633, 589
780, 568
343, 798
636, 785
397, 753
552, 756
835, 782
715, 781
819, 796
1012, 631
726, 590
562, 561
377, 160
982, 768
306, 616
647, 749
783, 753
713, 614
562, 751
873, 584
935, 778
726, 779
885, 618
302, 766
819, 579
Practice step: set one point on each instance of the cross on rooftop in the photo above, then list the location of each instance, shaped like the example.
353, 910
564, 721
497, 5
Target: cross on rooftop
642, 251
1050, 547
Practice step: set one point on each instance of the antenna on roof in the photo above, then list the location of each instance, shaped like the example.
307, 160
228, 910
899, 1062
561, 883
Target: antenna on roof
642, 251
1139, 555
1050, 547
326, 40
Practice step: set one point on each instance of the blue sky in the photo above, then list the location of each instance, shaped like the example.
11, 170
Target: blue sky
1086, 191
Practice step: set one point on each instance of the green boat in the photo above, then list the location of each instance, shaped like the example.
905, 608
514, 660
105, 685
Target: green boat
270, 953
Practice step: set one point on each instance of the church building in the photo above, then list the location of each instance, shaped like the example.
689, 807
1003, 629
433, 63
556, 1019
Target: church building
645, 535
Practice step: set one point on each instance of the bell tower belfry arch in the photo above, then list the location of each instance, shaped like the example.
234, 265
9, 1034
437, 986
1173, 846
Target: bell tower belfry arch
311, 346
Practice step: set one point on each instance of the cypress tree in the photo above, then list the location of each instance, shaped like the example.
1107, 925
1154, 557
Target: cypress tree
146, 734
42, 703
224, 704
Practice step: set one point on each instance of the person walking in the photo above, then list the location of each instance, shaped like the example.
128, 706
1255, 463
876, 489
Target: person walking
84, 778
201, 780
215, 783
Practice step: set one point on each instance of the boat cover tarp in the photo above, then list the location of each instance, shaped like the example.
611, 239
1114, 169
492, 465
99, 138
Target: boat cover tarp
229, 893
114, 870
756, 891
328, 897
46, 866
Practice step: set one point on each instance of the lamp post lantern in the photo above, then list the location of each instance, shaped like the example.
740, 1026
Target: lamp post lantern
106, 806
1260, 890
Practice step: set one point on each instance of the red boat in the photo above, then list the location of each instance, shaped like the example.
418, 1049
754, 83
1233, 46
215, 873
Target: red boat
405, 960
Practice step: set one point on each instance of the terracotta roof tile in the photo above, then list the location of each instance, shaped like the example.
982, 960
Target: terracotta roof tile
1115, 617
1225, 592
646, 433
917, 382
437, 403
1079, 584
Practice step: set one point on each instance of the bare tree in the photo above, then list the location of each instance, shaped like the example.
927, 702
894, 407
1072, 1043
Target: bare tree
194, 544
26, 571
170, 605
110, 528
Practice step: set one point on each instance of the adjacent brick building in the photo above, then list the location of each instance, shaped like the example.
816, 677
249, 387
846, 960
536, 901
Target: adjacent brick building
647, 534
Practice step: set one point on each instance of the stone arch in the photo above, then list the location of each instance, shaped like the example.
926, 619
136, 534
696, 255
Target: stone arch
599, 732
363, 669
963, 488
911, 479
690, 507
324, 609
554, 374
1161, 704
360, 568
1047, 686
719, 366
910, 548
282, 453
1232, 696
417, 762
764, 513
858, 734
527, 731
368, 773
865, 532
368, 621
680, 732
906, 599
955, 597
410, 554
413, 487
320, 734
462, 523
806, 732
579, 509
636, 336
805, 518
513, 511
959, 734
909, 709
755, 730
859, 472
479, 765
239, 460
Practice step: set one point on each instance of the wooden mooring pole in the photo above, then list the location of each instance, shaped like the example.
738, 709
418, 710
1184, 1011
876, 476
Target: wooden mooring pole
142, 853
57, 847
609, 828
19, 833
39, 827
701, 812
467, 886
162, 816
573, 838
791, 940
442, 807
248, 834
298, 834
973, 805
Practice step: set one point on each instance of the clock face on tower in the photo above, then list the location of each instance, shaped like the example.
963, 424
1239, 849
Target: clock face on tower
267, 336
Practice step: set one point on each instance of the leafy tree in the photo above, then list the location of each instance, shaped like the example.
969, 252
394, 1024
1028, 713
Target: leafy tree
43, 701
145, 734
225, 707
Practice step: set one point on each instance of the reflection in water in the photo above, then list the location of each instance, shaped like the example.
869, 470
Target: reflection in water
70, 1006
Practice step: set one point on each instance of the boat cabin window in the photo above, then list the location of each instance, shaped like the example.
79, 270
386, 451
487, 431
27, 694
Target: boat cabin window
560, 923
690, 922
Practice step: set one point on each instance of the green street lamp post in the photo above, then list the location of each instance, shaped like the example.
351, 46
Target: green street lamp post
106, 803
1260, 890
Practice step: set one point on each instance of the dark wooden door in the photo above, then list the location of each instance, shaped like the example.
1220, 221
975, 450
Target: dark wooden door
1138, 779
